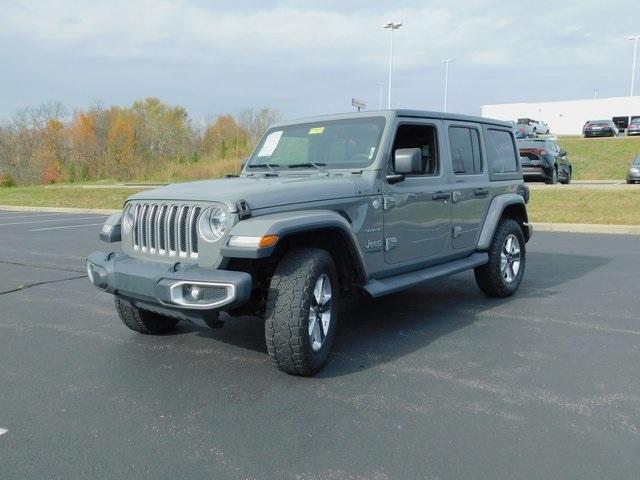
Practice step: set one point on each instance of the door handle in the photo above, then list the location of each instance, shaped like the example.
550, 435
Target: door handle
440, 196
481, 192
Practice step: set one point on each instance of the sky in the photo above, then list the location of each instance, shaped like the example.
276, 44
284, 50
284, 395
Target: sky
312, 57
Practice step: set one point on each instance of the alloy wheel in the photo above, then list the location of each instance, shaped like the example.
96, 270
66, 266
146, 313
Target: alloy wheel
510, 258
320, 312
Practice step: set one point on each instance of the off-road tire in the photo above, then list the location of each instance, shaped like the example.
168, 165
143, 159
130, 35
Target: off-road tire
287, 311
141, 320
567, 180
489, 276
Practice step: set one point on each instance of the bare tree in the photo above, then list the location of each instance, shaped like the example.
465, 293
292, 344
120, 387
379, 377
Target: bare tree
256, 122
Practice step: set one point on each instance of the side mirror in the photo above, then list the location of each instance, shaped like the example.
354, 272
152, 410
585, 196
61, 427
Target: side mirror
563, 153
407, 161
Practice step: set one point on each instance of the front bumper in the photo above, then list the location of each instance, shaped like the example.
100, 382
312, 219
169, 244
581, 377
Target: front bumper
633, 177
162, 286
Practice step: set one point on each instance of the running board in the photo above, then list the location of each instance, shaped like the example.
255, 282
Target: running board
384, 286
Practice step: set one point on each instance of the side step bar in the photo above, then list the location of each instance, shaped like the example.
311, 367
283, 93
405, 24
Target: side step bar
384, 286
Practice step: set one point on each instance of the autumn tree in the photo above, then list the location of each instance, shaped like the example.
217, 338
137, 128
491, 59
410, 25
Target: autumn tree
225, 138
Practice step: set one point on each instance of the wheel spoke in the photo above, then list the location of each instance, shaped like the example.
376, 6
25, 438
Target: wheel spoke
515, 267
512, 275
317, 333
325, 306
317, 291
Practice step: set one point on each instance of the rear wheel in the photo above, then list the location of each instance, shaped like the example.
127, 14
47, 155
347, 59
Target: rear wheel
554, 177
302, 311
501, 276
143, 321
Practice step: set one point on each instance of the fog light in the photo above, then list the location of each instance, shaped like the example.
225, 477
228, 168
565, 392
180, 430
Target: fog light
195, 293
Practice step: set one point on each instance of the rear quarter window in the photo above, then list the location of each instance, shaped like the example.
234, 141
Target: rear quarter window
501, 151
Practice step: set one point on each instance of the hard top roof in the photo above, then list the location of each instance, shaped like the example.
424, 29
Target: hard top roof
397, 113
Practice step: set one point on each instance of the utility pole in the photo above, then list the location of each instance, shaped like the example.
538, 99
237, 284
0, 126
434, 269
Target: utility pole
635, 58
446, 61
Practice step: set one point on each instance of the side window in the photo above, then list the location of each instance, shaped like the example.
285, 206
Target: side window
424, 138
465, 150
501, 152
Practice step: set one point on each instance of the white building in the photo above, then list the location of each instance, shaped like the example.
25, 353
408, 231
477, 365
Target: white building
568, 117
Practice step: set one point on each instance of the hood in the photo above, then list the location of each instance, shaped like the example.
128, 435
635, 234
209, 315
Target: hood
258, 191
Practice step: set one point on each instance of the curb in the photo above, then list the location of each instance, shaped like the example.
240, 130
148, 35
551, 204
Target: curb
587, 228
97, 211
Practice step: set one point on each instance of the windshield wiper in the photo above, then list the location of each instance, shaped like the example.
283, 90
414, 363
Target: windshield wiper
309, 164
265, 165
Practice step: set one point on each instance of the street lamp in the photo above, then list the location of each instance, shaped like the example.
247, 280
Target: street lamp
380, 85
446, 61
391, 26
635, 57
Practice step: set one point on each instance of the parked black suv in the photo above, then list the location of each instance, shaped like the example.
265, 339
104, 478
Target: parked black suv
543, 159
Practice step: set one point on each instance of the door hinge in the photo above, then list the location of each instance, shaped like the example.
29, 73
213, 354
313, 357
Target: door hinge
390, 243
388, 202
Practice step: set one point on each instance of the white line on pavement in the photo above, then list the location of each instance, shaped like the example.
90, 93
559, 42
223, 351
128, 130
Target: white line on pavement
66, 226
95, 217
30, 216
3, 431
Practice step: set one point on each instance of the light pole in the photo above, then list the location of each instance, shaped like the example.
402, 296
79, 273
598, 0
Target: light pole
391, 26
446, 61
380, 85
635, 57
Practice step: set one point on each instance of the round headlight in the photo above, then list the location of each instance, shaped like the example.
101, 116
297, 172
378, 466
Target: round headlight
635, 170
129, 216
213, 224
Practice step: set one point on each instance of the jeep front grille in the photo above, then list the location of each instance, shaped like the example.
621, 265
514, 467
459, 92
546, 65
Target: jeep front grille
165, 229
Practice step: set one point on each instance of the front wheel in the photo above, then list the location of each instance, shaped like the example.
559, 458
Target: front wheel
501, 276
302, 311
567, 180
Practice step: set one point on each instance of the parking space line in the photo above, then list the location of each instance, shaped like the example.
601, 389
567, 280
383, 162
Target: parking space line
95, 217
66, 226
3, 431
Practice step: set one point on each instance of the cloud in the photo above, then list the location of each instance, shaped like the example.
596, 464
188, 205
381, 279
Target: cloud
310, 57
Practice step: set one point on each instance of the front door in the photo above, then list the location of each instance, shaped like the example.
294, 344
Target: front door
470, 196
417, 210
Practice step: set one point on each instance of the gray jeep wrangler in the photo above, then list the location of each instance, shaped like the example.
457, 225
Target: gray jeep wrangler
374, 202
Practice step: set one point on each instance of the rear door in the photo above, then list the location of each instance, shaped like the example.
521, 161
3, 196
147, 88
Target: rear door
470, 192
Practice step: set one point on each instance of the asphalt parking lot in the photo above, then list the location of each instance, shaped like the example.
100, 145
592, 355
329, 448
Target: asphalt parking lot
435, 382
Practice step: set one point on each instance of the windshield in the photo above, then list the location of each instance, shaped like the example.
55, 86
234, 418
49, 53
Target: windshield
349, 143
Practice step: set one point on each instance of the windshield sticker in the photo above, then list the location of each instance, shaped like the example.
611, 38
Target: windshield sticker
316, 130
270, 144
373, 150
